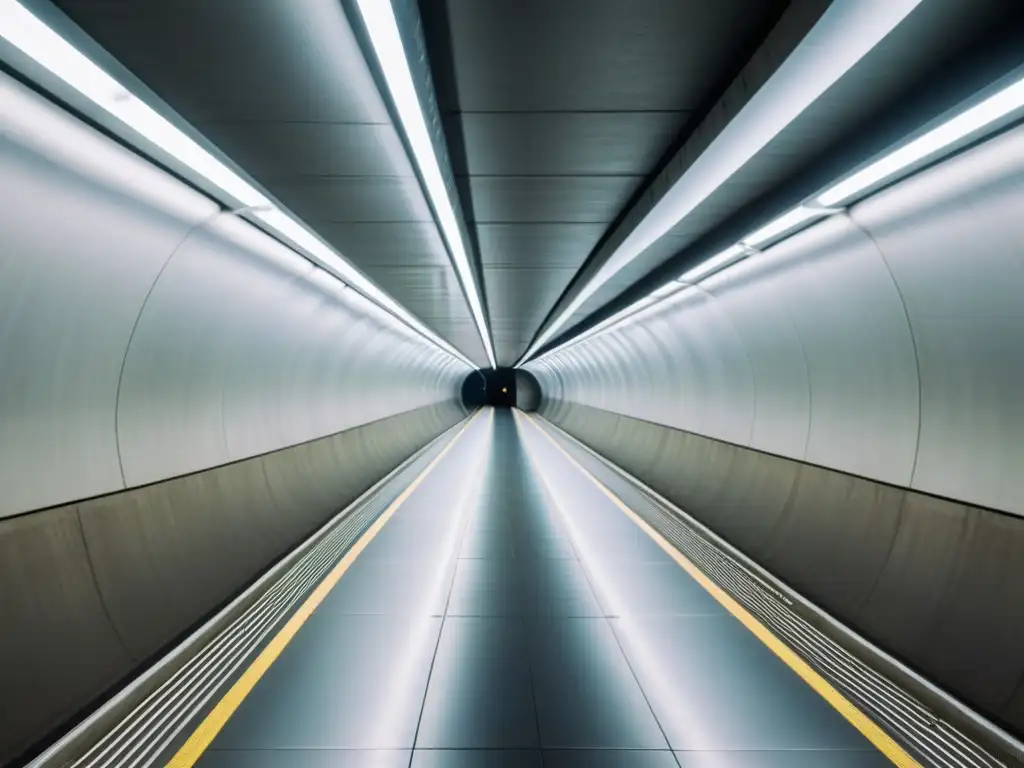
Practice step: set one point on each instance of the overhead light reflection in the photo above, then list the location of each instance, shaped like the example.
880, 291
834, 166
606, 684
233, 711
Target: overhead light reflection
406, 679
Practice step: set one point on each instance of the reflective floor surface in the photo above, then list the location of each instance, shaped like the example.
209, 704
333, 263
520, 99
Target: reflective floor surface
510, 615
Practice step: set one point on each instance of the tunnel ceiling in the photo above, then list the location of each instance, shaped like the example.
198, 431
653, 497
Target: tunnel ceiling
565, 121
557, 113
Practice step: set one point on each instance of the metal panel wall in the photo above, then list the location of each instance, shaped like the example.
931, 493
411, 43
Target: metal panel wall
884, 342
146, 334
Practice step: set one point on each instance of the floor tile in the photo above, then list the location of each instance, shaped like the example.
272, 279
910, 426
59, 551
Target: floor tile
344, 682
608, 758
304, 758
587, 696
472, 758
715, 686
480, 693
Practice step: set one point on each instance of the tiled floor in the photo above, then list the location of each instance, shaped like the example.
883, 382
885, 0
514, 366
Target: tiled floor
502, 618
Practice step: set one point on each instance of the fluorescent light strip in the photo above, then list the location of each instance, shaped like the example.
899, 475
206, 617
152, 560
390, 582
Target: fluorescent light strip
788, 221
730, 255
654, 298
35, 39
609, 323
786, 224
379, 17
323, 254
844, 34
930, 144
628, 316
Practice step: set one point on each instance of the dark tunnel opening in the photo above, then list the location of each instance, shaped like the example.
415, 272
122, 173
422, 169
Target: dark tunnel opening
490, 386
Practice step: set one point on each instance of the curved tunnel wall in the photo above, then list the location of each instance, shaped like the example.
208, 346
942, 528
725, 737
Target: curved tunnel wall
527, 391
183, 399
846, 408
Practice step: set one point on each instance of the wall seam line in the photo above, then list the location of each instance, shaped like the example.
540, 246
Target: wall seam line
99, 591
910, 329
131, 337
746, 354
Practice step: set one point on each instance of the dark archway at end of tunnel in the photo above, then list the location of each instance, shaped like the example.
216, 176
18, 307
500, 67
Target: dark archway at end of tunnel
495, 387
502, 388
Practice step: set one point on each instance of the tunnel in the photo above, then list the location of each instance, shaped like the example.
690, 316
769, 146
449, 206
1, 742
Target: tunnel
515, 383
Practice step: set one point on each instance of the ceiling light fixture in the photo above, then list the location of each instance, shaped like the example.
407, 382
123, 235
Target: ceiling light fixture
627, 315
730, 255
782, 225
26, 32
968, 125
844, 34
35, 39
960, 128
382, 27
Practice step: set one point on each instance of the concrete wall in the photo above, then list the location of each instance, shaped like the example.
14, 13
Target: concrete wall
846, 408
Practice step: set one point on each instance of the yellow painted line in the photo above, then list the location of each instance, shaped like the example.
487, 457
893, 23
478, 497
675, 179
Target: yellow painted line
204, 735
882, 741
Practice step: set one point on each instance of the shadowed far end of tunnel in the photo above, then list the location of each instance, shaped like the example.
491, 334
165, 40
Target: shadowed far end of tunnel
501, 388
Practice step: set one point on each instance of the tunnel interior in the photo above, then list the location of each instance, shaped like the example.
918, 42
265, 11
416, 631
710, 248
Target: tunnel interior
533, 358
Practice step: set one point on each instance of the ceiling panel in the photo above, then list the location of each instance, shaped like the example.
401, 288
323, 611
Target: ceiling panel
353, 198
557, 112
578, 199
536, 245
587, 55
388, 244
272, 150
431, 288
520, 298
566, 143
256, 60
